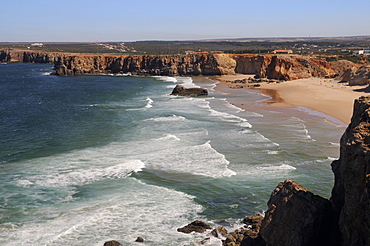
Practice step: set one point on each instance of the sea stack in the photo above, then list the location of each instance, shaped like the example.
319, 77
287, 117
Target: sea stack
180, 90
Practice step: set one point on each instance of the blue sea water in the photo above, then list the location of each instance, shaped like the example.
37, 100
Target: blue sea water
87, 159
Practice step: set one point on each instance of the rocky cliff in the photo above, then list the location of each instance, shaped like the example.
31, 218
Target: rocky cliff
281, 67
165, 65
265, 66
28, 56
351, 192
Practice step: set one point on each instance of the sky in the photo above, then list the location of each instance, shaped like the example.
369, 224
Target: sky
137, 20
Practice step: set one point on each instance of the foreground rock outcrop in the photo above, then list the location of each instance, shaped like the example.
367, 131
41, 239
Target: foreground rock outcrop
296, 216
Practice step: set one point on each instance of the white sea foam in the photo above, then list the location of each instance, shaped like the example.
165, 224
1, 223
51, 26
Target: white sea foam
166, 78
187, 82
232, 106
168, 118
253, 114
150, 102
269, 170
327, 159
335, 144
151, 212
196, 160
272, 152
230, 118
84, 176
169, 137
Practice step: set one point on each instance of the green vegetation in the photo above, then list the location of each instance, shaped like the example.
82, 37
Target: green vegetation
326, 47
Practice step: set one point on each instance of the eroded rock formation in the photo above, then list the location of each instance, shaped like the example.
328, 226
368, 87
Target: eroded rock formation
351, 192
296, 216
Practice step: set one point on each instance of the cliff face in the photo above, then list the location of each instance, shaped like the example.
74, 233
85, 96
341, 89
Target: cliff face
167, 65
265, 66
28, 56
351, 192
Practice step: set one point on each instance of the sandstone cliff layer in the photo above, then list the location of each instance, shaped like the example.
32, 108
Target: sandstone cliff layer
264, 66
281, 67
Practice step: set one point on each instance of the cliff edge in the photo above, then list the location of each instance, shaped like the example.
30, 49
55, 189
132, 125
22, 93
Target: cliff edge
351, 192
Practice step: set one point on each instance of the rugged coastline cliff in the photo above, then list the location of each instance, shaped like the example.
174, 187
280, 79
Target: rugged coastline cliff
280, 67
25, 56
264, 66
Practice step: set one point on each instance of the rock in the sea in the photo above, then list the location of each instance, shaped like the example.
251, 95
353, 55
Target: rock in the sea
112, 243
295, 216
195, 226
247, 236
351, 192
139, 240
219, 232
180, 90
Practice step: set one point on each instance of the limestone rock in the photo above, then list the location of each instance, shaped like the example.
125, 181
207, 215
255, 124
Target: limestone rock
295, 216
180, 90
195, 226
351, 192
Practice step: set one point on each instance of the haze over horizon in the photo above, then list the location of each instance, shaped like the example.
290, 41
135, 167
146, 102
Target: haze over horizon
115, 20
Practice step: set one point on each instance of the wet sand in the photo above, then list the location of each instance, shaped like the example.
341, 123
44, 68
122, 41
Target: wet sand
324, 95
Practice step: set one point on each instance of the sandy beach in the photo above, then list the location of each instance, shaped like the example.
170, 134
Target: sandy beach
323, 95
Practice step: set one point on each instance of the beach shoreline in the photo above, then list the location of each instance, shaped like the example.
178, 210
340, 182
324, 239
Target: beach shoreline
326, 96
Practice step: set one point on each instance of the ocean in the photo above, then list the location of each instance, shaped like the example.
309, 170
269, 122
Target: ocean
88, 159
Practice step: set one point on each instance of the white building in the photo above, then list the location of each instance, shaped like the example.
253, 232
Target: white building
363, 52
